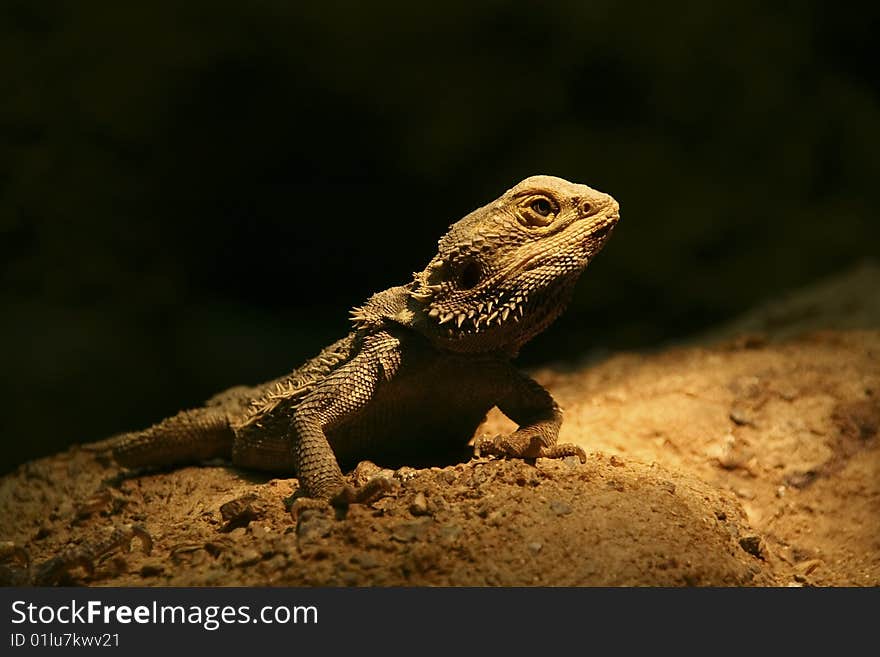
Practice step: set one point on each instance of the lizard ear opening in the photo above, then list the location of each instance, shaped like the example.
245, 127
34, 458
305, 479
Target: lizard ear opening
469, 275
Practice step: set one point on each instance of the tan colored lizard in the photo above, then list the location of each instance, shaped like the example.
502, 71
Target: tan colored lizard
424, 362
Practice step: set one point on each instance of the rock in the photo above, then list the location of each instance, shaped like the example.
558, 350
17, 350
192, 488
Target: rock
248, 558
311, 525
741, 416
560, 508
240, 512
419, 506
752, 545
152, 570
414, 530
364, 560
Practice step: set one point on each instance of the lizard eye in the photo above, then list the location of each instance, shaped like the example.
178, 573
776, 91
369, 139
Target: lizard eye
542, 207
537, 210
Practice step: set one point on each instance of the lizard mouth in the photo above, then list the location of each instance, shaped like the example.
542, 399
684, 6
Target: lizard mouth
605, 229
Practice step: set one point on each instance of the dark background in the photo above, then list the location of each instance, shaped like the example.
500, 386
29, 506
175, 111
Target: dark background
193, 195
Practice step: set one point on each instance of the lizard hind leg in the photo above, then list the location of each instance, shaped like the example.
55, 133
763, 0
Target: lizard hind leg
188, 437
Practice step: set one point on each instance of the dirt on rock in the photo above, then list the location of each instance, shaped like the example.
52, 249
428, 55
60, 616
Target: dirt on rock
746, 463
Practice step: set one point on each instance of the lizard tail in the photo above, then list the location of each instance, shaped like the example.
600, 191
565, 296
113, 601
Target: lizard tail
188, 437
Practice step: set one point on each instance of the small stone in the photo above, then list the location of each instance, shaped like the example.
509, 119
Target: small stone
535, 547
363, 472
744, 493
616, 461
248, 558
213, 548
571, 462
259, 531
780, 491
727, 454
802, 479
152, 570
752, 545
364, 560
405, 474
614, 484
560, 508
807, 567
239, 512
741, 416
44, 531
419, 506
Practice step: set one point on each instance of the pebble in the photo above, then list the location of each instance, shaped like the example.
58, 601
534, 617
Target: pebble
152, 570
365, 560
752, 545
249, 558
741, 416
744, 493
560, 508
419, 506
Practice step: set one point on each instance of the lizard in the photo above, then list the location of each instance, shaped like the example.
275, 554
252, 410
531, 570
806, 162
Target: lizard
423, 363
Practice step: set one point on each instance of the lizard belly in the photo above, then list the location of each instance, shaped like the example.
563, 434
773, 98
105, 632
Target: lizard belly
429, 411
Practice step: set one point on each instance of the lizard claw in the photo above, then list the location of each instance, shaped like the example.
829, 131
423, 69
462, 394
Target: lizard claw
347, 495
516, 447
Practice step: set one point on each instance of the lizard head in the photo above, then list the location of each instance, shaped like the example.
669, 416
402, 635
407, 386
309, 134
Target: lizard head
504, 272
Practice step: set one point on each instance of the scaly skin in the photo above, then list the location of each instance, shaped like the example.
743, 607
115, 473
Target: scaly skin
425, 362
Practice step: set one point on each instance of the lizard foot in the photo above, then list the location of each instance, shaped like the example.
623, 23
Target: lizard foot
522, 448
374, 489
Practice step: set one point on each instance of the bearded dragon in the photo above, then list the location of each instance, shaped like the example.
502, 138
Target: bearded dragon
423, 363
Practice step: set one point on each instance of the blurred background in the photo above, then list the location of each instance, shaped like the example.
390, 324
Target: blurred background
193, 195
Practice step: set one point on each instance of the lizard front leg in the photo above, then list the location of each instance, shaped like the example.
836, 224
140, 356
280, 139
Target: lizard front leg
342, 394
539, 417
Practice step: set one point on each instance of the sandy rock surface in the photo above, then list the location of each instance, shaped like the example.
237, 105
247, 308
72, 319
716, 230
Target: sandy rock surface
745, 463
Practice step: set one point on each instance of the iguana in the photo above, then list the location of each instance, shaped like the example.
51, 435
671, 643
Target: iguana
424, 361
